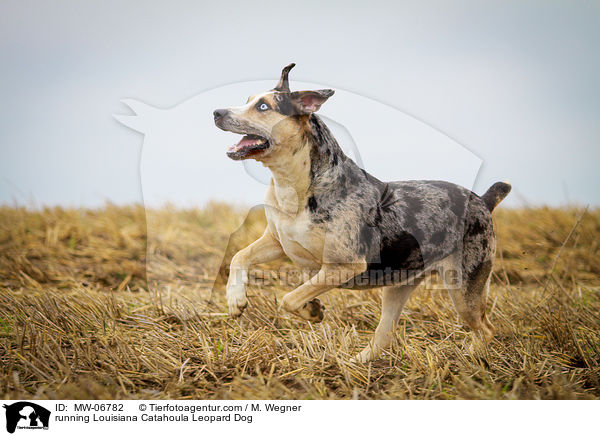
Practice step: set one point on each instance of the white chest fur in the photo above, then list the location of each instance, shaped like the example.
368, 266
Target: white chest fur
301, 240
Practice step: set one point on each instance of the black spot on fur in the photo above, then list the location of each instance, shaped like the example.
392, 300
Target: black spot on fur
414, 204
312, 204
438, 237
365, 238
401, 252
480, 272
284, 104
476, 228
317, 214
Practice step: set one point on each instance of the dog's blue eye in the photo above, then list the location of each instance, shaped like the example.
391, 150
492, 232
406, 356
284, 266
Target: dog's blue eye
263, 107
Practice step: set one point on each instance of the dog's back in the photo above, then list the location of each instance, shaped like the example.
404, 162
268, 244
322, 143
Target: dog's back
409, 226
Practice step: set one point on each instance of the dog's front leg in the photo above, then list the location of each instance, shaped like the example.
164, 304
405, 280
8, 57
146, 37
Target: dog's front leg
302, 301
264, 249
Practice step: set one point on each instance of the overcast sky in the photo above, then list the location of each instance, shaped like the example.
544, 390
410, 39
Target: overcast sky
515, 83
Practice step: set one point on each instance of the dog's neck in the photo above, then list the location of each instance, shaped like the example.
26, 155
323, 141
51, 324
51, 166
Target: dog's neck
308, 161
291, 176
326, 154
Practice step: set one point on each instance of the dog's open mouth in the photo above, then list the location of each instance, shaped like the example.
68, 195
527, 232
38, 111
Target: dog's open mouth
248, 146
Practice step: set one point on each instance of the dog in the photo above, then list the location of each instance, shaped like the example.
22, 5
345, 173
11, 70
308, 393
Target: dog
327, 214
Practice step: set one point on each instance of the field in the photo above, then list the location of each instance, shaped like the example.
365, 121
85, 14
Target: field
82, 318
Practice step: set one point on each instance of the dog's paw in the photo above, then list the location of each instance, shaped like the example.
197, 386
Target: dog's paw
237, 302
312, 311
237, 305
365, 356
368, 354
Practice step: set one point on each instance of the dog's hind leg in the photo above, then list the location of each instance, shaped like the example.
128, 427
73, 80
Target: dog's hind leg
393, 300
470, 300
302, 301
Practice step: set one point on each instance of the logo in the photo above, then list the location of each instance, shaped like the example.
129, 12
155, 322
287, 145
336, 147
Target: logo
26, 415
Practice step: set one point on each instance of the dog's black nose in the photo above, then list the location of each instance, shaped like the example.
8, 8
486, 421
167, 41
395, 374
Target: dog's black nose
219, 113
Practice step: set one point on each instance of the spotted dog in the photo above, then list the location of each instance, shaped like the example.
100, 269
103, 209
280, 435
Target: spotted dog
327, 214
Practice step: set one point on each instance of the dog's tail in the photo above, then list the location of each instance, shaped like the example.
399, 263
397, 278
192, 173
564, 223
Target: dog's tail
496, 194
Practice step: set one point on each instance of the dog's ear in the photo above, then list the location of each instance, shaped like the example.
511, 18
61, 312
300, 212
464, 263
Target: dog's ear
284, 85
307, 102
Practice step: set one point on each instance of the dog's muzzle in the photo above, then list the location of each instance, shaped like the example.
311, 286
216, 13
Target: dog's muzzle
249, 146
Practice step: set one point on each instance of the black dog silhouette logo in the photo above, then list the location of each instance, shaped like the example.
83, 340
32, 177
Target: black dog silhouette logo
26, 415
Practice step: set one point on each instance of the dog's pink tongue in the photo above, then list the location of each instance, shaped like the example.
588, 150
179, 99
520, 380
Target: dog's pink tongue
244, 142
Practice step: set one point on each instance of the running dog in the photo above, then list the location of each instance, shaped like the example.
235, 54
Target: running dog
355, 231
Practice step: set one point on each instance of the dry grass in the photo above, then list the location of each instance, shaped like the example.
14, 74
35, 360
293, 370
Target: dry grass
78, 318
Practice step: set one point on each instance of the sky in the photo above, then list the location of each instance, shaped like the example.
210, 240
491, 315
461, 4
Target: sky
514, 83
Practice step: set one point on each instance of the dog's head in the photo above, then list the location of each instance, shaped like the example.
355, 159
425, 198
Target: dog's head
271, 122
